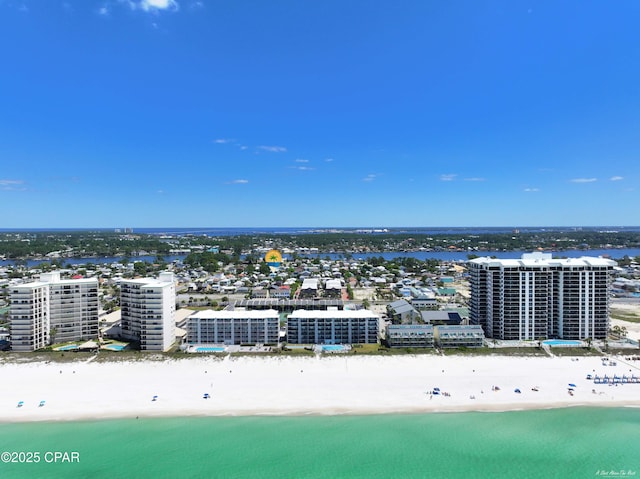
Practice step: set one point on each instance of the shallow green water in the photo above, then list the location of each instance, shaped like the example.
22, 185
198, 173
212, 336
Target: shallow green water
562, 443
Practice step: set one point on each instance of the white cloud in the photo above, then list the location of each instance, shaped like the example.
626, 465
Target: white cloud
616, 178
369, 177
238, 182
12, 185
329, 160
222, 141
148, 5
19, 6
152, 5
303, 168
299, 160
448, 177
474, 179
531, 190
583, 180
104, 11
273, 149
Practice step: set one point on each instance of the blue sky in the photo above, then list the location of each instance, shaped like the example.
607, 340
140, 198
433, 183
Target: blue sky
222, 113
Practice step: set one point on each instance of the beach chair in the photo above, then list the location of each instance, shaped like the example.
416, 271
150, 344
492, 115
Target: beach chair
41, 404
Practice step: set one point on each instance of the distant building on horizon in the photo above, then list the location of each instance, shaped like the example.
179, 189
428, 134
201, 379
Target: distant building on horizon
148, 307
53, 310
541, 297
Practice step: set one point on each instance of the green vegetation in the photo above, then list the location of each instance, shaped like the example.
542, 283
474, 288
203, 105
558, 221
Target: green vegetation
559, 351
208, 261
622, 315
20, 245
79, 243
297, 351
493, 351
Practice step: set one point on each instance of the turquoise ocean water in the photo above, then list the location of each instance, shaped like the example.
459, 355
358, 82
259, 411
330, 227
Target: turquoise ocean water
558, 443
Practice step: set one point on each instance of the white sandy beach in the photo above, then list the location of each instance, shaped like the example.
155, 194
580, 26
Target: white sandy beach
296, 386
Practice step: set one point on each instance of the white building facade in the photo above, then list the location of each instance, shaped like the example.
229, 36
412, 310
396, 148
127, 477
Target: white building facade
233, 327
541, 297
332, 327
53, 310
148, 308
29, 316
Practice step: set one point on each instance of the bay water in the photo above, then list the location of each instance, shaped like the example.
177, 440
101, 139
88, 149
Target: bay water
563, 443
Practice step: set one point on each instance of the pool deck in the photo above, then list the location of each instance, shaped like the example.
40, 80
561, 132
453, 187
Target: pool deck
225, 349
563, 343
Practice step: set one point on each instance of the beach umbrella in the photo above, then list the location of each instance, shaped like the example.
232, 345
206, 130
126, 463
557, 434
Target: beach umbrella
571, 385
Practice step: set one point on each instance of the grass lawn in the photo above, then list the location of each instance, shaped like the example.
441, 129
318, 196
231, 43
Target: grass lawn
575, 352
625, 316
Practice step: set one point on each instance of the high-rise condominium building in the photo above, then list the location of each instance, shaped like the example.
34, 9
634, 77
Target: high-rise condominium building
53, 310
541, 297
148, 309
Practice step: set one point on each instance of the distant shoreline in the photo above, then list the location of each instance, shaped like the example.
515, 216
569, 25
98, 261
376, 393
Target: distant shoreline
441, 255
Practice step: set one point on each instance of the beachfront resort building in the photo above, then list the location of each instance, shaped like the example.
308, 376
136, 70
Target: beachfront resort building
233, 327
148, 307
540, 297
332, 326
53, 310
410, 335
459, 336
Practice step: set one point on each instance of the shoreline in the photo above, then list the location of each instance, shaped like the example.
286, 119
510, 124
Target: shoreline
311, 414
317, 386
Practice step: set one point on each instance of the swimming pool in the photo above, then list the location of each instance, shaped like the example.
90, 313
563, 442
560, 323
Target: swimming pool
332, 348
562, 342
69, 347
115, 347
209, 350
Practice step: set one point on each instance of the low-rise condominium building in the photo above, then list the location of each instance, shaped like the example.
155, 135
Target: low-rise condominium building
233, 327
332, 326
